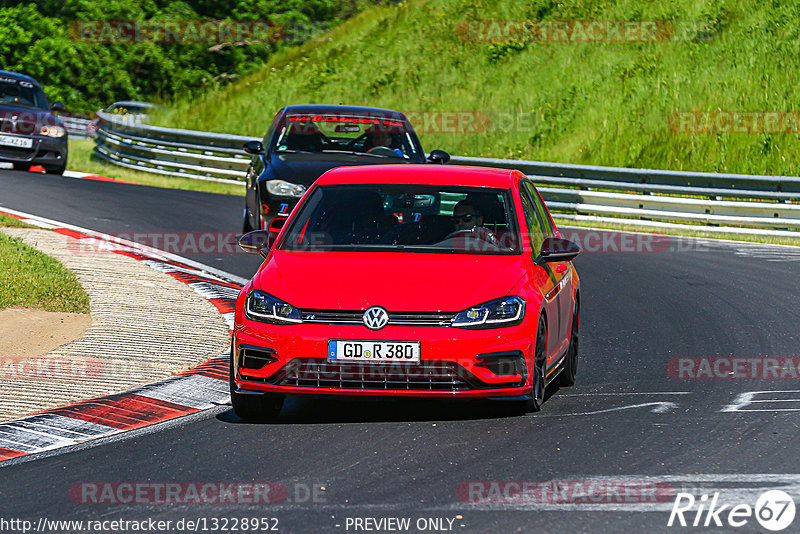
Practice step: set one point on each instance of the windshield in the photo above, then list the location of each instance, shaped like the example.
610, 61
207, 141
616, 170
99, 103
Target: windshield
406, 218
21, 93
375, 136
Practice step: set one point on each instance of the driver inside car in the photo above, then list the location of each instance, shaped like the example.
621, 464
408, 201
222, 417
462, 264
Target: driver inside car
466, 216
468, 220
379, 141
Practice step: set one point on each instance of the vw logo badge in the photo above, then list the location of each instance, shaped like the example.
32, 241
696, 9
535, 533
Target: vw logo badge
376, 318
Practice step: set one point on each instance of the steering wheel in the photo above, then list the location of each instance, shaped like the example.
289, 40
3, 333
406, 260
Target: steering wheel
458, 233
382, 151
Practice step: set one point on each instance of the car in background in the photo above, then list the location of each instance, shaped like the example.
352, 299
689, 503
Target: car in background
30, 133
137, 112
408, 281
304, 141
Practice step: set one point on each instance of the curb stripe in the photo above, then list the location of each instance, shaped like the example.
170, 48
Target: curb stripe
195, 391
200, 388
217, 369
7, 454
125, 411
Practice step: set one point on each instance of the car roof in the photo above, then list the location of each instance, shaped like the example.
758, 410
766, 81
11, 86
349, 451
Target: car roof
133, 103
426, 174
19, 76
341, 109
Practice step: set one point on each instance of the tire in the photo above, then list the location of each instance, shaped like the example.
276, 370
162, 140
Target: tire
536, 396
246, 228
55, 170
567, 376
256, 408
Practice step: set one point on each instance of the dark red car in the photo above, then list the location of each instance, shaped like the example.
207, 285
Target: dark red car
408, 281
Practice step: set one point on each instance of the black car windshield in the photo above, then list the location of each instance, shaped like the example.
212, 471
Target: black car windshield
380, 137
405, 218
21, 93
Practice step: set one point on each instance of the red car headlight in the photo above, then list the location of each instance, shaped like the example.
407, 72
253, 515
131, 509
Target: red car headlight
498, 313
261, 306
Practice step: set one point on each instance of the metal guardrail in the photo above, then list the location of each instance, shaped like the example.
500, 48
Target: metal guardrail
721, 202
77, 127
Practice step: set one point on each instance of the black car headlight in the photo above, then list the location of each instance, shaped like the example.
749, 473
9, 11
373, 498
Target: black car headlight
281, 188
506, 311
53, 131
263, 307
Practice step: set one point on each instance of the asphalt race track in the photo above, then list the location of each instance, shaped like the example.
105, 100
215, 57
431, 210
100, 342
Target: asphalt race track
629, 423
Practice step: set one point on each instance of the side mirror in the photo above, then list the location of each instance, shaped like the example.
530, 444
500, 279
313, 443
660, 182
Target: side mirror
555, 249
253, 147
438, 156
58, 106
256, 242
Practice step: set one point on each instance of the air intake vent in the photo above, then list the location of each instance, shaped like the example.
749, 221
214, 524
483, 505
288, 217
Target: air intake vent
255, 357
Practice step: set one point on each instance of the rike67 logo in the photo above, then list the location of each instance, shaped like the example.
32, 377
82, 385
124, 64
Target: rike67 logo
774, 510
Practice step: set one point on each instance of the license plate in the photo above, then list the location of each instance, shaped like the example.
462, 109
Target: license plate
373, 351
19, 142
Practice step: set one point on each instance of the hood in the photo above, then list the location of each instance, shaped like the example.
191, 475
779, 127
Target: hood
306, 168
398, 281
25, 121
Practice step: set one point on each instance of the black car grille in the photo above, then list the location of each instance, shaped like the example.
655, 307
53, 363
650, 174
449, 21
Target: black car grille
395, 318
16, 153
422, 376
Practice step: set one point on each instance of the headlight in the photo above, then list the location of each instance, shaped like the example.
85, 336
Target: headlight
496, 313
264, 307
53, 131
279, 188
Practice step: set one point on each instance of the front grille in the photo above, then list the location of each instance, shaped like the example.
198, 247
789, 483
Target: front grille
395, 318
16, 153
422, 376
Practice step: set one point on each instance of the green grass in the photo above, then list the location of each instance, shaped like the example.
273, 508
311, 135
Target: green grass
82, 159
34, 280
602, 103
9, 221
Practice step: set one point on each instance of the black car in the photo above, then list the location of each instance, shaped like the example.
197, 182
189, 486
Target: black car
30, 134
304, 141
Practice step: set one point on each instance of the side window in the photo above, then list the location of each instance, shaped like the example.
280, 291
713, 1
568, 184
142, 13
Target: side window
271, 130
533, 223
540, 210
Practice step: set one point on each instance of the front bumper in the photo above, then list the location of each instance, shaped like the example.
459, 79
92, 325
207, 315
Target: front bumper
292, 360
46, 151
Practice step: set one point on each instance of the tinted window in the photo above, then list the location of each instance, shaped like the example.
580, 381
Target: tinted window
547, 225
408, 218
373, 136
21, 93
533, 222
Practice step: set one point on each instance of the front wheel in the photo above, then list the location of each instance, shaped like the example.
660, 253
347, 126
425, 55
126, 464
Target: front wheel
567, 376
254, 407
246, 227
536, 396
55, 170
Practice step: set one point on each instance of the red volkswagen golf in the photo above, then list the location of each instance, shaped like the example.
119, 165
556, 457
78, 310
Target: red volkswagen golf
408, 281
